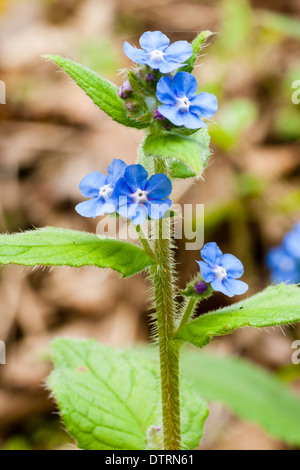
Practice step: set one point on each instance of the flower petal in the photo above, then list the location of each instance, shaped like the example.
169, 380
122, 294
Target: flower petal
122, 193
291, 242
115, 170
212, 254
169, 66
136, 177
157, 208
88, 208
234, 287
204, 105
136, 212
172, 112
179, 51
137, 56
229, 287
279, 258
90, 185
154, 40
158, 187
192, 121
207, 273
165, 91
234, 267
288, 277
107, 207
185, 84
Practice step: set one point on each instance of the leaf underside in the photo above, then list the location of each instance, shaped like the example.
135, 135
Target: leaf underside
60, 247
276, 305
109, 398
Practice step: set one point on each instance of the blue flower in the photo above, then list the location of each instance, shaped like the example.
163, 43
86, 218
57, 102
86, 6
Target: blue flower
99, 188
137, 197
283, 267
157, 53
222, 271
181, 104
291, 241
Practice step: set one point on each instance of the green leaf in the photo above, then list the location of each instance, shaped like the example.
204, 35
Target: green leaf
103, 93
59, 247
281, 24
249, 391
109, 399
179, 170
191, 151
234, 117
276, 305
197, 44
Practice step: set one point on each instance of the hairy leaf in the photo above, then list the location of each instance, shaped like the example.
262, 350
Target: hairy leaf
276, 305
249, 391
59, 247
109, 399
191, 151
103, 93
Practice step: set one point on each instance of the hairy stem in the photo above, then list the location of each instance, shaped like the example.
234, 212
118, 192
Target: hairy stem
169, 350
188, 311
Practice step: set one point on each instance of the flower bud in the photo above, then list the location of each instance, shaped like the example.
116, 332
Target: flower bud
150, 78
130, 106
125, 90
157, 116
200, 287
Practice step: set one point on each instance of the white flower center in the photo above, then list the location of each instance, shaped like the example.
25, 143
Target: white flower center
220, 273
105, 191
183, 103
140, 196
157, 56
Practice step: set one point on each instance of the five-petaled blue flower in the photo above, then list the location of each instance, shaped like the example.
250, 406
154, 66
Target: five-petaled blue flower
99, 188
181, 104
284, 268
222, 271
157, 52
137, 197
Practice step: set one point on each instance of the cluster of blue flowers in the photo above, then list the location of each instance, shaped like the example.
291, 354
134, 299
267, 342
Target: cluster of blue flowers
222, 272
177, 97
284, 260
127, 191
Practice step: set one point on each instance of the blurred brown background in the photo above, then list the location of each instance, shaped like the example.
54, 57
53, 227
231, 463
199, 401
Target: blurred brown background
51, 135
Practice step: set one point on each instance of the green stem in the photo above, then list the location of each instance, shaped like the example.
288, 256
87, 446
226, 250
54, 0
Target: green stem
189, 309
168, 350
144, 241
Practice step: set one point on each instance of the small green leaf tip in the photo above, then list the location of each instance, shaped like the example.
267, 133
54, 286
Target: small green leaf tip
104, 94
197, 44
